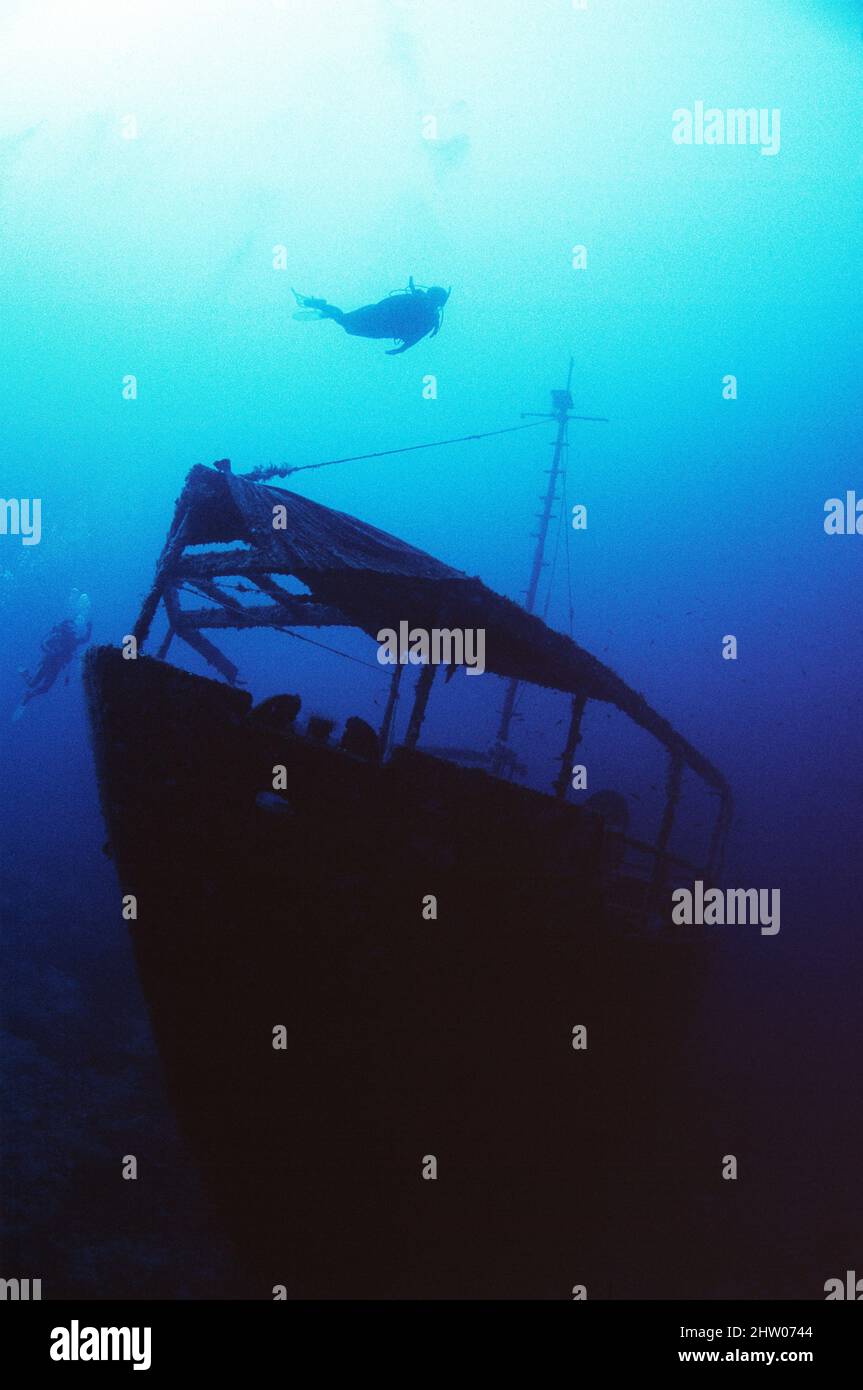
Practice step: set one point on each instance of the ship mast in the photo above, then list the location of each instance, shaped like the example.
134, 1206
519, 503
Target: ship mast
561, 402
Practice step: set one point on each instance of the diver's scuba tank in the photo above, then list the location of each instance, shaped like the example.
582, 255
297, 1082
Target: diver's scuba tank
78, 609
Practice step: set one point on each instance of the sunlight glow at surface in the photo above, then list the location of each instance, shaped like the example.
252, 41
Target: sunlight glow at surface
299, 124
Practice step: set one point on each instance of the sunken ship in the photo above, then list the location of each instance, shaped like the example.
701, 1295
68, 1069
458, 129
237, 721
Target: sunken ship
386, 1101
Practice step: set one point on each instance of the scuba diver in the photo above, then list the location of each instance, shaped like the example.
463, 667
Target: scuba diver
58, 649
405, 315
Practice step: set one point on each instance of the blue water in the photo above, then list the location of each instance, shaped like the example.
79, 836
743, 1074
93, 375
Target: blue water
257, 126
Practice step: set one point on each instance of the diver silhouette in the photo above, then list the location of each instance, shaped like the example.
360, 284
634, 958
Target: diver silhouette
405, 315
58, 649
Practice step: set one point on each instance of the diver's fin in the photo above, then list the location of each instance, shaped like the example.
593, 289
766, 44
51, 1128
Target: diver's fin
309, 307
308, 301
19, 710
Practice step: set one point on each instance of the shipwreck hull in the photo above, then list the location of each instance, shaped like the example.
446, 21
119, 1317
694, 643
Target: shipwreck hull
406, 1038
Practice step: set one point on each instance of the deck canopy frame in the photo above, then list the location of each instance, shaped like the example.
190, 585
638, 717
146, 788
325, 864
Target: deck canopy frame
358, 576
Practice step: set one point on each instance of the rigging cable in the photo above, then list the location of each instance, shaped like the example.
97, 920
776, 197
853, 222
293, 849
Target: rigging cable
289, 632
262, 474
